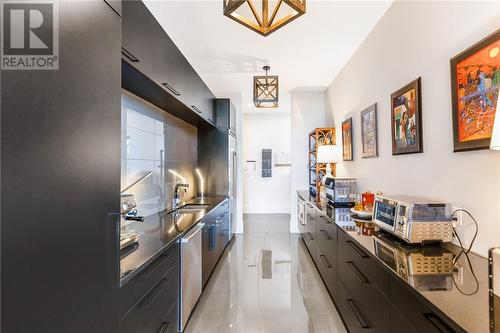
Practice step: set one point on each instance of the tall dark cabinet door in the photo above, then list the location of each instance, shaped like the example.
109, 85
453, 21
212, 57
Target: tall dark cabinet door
60, 178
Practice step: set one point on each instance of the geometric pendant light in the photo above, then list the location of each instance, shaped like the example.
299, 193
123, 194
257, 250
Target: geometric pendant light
264, 16
265, 90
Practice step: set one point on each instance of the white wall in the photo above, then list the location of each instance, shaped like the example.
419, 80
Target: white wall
417, 39
265, 131
308, 113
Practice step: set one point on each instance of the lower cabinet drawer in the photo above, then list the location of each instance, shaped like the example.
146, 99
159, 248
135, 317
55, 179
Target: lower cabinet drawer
139, 285
416, 314
157, 309
351, 251
362, 316
310, 241
327, 266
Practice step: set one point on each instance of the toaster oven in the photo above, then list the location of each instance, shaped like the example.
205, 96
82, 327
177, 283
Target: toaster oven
341, 192
414, 220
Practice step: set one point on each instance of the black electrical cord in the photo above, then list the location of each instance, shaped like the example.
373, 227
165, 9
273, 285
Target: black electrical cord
476, 289
466, 252
456, 234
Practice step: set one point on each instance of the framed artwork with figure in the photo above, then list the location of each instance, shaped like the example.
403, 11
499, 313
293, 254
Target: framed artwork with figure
347, 140
406, 119
475, 80
369, 131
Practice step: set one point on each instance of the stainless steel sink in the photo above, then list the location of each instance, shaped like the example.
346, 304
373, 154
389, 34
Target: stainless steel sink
191, 209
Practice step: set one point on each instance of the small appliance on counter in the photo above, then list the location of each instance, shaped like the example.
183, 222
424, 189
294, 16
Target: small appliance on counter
414, 220
424, 268
128, 213
341, 192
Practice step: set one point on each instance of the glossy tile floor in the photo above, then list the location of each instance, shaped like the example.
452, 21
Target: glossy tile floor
265, 283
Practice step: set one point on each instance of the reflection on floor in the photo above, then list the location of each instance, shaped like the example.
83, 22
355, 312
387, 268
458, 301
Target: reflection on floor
265, 283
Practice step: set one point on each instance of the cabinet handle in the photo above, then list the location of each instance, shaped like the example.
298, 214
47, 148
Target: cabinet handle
196, 109
309, 205
211, 243
357, 249
155, 264
172, 90
153, 294
325, 261
325, 219
438, 323
107, 3
164, 327
310, 236
325, 234
361, 320
357, 272
129, 55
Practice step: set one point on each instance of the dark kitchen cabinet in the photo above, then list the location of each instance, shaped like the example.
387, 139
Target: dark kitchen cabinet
353, 258
134, 290
60, 156
361, 314
411, 312
208, 105
367, 286
215, 238
370, 307
310, 234
399, 324
326, 252
149, 49
139, 34
222, 228
368, 297
115, 5
156, 311
209, 246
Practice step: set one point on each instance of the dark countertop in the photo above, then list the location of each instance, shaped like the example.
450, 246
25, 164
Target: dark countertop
158, 232
464, 301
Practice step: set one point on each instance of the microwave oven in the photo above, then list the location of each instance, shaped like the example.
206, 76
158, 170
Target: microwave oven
414, 220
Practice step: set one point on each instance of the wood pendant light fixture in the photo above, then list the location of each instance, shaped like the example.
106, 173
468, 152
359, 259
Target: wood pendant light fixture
254, 14
265, 90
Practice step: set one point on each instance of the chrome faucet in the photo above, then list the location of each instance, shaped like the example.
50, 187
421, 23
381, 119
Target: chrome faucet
176, 199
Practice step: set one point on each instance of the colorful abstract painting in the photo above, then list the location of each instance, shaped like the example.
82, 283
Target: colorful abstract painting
475, 84
406, 119
347, 140
369, 131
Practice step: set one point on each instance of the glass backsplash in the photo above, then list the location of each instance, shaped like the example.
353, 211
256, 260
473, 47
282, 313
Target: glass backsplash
154, 142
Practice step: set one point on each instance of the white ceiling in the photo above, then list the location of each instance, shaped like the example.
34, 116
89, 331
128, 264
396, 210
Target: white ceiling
307, 53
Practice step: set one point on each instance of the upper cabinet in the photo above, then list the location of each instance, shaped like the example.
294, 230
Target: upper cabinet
147, 48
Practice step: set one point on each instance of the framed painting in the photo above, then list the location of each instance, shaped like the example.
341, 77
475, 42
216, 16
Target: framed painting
369, 139
347, 140
406, 119
475, 80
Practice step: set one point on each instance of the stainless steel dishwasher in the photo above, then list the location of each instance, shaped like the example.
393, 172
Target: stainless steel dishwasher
191, 270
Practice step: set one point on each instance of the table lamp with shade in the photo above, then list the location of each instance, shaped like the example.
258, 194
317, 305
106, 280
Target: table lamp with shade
326, 154
495, 135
